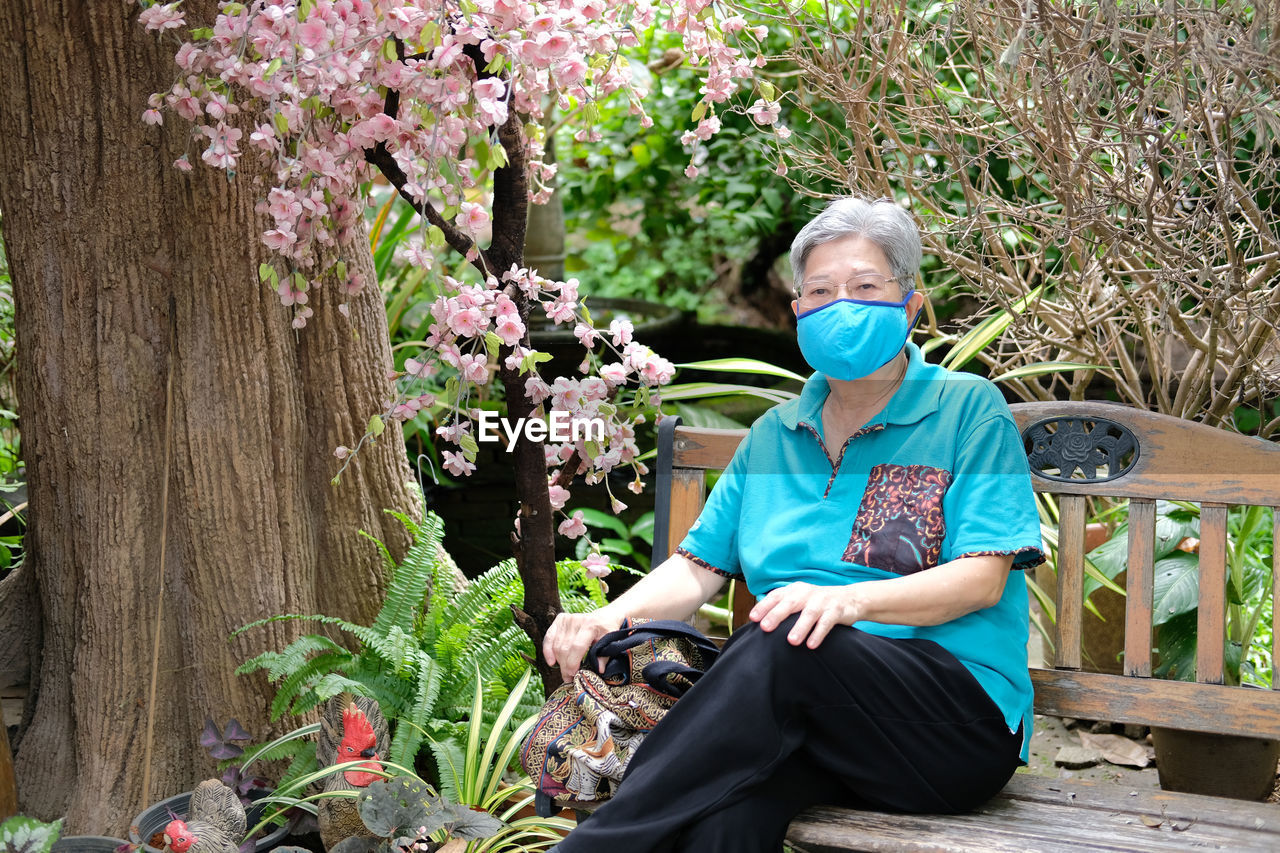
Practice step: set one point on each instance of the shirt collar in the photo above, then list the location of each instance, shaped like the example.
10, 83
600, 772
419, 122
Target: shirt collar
915, 399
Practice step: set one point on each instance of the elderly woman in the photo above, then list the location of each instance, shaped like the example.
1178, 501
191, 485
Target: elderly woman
876, 519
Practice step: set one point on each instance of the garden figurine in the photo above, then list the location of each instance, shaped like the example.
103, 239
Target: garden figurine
350, 730
215, 822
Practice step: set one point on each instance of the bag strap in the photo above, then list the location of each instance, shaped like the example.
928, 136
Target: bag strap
614, 643
658, 675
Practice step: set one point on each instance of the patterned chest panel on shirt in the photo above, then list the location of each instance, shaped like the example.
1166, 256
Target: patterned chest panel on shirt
900, 526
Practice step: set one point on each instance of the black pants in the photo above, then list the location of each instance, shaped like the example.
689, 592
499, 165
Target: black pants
772, 729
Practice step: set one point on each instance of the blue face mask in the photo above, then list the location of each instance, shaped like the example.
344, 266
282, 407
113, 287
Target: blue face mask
851, 338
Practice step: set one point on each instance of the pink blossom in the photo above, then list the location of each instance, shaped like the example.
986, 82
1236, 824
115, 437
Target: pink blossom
420, 369
708, 127
278, 239
160, 18
221, 152
313, 33
341, 451
572, 71
536, 390
559, 496
182, 164
468, 322
474, 368
594, 389
472, 218
152, 116
559, 310
264, 138
691, 171
452, 432
509, 328
765, 112
613, 373
457, 464
597, 565
621, 330
574, 527
585, 335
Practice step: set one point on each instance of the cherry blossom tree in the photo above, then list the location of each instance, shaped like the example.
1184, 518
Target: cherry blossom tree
445, 100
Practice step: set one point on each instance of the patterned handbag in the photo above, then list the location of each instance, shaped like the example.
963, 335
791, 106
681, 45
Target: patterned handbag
590, 726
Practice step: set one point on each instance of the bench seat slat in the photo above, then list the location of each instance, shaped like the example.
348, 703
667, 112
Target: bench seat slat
1153, 701
1034, 813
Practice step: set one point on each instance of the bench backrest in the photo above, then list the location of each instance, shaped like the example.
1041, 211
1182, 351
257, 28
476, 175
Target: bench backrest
1144, 457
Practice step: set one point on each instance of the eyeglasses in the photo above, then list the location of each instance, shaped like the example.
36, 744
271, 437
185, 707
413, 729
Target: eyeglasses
867, 286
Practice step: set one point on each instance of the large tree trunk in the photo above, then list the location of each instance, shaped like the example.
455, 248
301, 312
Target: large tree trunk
103, 237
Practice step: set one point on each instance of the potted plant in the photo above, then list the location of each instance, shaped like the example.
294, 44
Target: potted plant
1196, 762
224, 745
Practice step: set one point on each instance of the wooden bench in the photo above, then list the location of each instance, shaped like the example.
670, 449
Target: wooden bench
1168, 459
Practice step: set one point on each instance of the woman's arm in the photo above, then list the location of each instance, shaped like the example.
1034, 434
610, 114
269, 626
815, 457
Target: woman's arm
930, 597
673, 590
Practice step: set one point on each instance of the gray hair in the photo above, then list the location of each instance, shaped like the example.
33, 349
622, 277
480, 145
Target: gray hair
881, 221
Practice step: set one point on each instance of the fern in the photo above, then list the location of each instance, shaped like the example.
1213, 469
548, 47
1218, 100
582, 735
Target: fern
412, 576
412, 726
303, 679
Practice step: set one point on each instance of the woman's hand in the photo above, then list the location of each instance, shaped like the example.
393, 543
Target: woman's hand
821, 608
572, 634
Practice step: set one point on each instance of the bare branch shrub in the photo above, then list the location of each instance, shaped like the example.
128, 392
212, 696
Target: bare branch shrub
1116, 160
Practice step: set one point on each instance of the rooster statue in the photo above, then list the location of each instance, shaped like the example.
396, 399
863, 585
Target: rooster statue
351, 729
215, 822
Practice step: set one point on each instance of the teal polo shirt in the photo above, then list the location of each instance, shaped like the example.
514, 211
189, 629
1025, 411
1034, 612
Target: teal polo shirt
940, 473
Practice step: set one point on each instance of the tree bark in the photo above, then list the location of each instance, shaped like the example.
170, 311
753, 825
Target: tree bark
103, 237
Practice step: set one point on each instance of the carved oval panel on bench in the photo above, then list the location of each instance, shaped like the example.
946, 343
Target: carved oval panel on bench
1079, 450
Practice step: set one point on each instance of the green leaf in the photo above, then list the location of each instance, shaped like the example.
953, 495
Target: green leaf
468, 443
699, 111
400, 806
492, 343
497, 157
1043, 367
1177, 586
28, 835
281, 123
981, 336
532, 360
265, 271
272, 67
376, 426
388, 50
705, 417
469, 823
596, 518
743, 365
1176, 641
